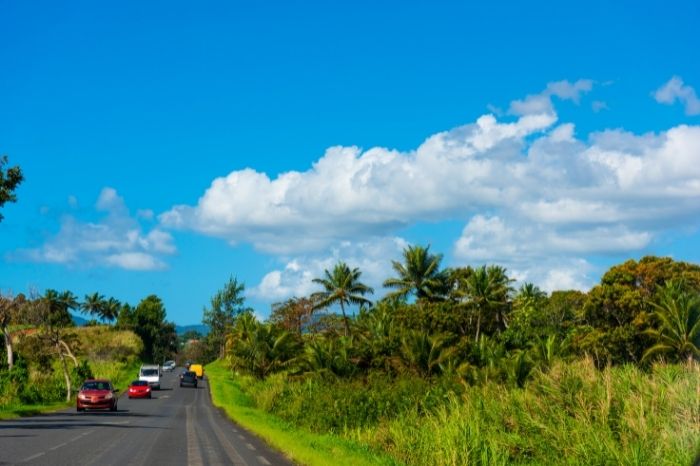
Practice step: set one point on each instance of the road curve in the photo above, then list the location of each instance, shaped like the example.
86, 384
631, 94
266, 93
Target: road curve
179, 426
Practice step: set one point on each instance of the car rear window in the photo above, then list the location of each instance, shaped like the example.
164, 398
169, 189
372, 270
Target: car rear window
96, 386
149, 372
139, 383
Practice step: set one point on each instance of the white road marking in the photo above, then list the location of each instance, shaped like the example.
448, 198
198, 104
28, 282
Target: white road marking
58, 446
33, 457
263, 460
241, 437
250, 446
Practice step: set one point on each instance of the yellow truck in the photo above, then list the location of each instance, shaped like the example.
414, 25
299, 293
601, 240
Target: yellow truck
197, 369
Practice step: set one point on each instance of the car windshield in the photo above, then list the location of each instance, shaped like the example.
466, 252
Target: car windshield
139, 383
96, 386
149, 372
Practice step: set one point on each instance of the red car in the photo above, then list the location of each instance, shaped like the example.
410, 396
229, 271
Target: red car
96, 394
139, 389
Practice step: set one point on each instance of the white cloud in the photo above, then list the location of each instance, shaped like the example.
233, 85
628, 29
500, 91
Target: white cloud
134, 261
372, 257
542, 102
117, 240
528, 189
674, 90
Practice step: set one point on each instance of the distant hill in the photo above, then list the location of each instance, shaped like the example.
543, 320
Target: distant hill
201, 328
79, 321
179, 329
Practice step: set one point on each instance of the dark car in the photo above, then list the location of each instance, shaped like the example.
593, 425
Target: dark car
96, 394
188, 378
139, 389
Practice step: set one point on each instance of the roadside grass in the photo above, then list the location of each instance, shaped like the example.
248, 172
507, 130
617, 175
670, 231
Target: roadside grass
299, 445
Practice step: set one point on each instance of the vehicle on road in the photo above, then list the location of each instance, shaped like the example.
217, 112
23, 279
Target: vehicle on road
151, 374
197, 369
139, 389
188, 378
96, 394
169, 366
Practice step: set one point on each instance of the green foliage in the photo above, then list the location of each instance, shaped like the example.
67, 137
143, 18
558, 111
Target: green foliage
226, 305
10, 178
147, 320
343, 287
678, 312
260, 349
419, 275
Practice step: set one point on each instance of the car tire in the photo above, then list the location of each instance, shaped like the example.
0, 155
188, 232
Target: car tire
80, 410
113, 408
150, 396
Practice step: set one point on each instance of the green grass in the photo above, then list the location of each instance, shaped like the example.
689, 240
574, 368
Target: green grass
299, 445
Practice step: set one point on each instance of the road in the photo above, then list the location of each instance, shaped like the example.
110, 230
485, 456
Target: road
179, 426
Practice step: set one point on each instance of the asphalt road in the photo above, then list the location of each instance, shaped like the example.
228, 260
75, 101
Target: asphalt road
179, 426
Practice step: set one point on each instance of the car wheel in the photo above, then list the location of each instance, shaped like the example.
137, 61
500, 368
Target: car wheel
80, 410
113, 408
150, 396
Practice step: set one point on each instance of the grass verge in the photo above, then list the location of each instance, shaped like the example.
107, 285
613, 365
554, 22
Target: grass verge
300, 446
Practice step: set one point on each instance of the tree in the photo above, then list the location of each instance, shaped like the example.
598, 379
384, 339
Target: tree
110, 309
93, 304
487, 289
293, 315
343, 287
260, 349
618, 312
147, 320
10, 178
9, 313
419, 275
227, 304
678, 312
51, 316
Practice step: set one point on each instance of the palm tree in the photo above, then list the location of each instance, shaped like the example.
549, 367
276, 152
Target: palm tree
93, 304
261, 348
420, 274
111, 309
343, 287
678, 312
487, 288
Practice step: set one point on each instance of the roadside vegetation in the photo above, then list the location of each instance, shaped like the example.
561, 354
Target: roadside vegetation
456, 366
47, 357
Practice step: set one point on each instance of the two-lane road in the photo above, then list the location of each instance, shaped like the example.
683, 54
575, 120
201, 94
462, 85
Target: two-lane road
179, 426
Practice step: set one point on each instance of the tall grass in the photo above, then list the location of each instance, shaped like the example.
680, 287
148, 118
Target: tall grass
572, 414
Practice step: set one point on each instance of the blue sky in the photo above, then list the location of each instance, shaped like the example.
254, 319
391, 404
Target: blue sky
171, 145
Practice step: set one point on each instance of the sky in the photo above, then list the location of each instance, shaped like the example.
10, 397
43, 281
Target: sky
168, 146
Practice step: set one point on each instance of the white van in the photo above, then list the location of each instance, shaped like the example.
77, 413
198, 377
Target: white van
151, 374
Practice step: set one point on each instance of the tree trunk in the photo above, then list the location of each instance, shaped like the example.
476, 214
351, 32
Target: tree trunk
66, 374
345, 319
478, 325
69, 353
8, 347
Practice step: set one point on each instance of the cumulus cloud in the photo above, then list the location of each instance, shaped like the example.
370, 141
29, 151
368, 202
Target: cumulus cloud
116, 240
542, 102
294, 277
529, 189
675, 90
